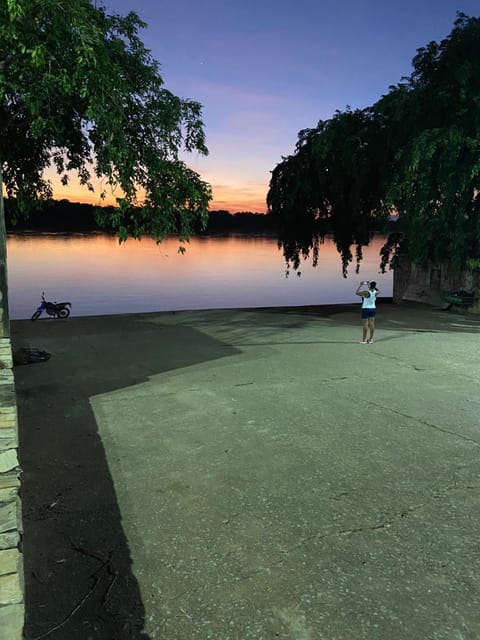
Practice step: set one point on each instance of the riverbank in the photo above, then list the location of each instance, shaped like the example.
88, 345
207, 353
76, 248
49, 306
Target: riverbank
251, 474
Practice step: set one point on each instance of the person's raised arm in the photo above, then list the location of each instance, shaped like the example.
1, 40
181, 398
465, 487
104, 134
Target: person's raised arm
362, 294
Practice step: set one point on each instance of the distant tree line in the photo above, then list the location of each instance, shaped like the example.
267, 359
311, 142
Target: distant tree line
71, 217
243, 221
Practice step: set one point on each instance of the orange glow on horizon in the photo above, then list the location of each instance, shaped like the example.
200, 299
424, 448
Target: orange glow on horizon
239, 197
229, 198
233, 196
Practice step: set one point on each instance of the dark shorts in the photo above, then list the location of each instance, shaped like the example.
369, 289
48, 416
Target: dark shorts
368, 313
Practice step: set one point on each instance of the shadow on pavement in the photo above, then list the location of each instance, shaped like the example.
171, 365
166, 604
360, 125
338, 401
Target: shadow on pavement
410, 317
277, 325
78, 567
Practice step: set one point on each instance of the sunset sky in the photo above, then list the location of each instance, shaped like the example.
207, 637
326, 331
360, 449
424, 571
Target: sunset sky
265, 69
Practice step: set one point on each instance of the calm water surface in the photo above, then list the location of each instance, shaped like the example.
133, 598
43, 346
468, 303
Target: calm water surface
99, 276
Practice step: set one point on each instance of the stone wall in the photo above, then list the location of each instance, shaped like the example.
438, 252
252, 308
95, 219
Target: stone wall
11, 567
425, 284
401, 278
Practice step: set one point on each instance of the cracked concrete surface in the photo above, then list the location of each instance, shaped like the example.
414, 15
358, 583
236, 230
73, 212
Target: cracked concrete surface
252, 475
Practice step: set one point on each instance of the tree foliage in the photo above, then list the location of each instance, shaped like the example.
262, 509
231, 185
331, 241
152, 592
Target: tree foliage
331, 184
79, 89
416, 152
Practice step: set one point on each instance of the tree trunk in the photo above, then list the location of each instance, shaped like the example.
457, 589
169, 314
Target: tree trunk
4, 319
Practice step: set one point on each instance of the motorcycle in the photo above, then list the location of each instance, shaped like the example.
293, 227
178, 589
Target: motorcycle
56, 309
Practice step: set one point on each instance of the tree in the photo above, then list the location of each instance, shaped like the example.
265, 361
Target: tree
414, 151
79, 90
434, 142
330, 185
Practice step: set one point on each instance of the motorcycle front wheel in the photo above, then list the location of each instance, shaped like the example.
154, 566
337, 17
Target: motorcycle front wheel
63, 313
36, 315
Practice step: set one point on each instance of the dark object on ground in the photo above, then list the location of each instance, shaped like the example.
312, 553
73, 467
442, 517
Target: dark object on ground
458, 298
25, 355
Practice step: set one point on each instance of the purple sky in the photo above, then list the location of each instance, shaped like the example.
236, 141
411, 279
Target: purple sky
265, 69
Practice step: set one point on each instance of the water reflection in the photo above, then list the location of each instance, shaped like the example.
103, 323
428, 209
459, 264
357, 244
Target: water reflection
101, 277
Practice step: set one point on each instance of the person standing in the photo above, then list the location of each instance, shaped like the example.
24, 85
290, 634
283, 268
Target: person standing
368, 292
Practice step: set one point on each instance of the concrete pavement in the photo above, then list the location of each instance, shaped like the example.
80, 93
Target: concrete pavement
252, 475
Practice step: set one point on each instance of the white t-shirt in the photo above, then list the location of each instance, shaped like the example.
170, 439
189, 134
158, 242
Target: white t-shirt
369, 303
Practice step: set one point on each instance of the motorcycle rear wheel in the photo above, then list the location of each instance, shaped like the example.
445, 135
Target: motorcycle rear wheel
63, 313
36, 315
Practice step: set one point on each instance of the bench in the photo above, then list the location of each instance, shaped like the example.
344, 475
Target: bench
458, 299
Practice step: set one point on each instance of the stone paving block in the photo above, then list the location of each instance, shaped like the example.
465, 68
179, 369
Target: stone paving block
9, 480
7, 395
6, 361
7, 424
8, 411
8, 516
8, 439
9, 539
8, 494
10, 589
8, 460
9, 561
6, 376
11, 621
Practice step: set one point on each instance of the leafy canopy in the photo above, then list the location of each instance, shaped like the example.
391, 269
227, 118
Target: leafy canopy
415, 152
79, 89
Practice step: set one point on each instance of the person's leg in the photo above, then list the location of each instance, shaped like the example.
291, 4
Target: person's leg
365, 329
371, 327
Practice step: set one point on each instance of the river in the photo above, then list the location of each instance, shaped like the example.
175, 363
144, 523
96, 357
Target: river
100, 276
